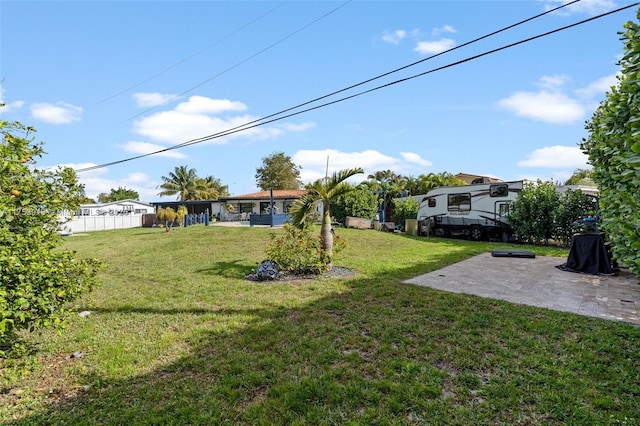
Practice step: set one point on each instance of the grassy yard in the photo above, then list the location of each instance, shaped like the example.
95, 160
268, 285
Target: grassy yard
177, 336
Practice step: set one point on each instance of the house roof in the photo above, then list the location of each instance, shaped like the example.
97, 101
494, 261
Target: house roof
112, 203
469, 178
277, 193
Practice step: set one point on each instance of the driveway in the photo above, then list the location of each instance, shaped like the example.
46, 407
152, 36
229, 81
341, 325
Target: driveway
537, 282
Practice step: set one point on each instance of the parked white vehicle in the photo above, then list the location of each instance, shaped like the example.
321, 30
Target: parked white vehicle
477, 211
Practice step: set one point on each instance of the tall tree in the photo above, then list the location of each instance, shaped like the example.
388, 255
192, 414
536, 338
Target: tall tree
325, 191
122, 194
278, 172
613, 147
182, 182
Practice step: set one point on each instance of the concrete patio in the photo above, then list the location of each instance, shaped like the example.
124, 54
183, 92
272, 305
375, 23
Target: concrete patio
537, 282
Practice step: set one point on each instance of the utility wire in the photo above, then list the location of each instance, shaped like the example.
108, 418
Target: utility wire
188, 58
272, 45
257, 123
251, 123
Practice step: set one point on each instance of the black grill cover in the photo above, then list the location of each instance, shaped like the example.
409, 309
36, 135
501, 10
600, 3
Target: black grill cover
588, 254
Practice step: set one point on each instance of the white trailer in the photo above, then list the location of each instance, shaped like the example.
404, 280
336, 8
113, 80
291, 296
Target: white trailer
477, 211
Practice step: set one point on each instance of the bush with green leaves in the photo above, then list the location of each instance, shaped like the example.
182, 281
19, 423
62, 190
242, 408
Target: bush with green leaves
38, 280
540, 214
360, 203
405, 209
298, 250
613, 147
572, 206
531, 214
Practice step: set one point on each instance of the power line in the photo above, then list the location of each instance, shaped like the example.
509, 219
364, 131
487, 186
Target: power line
261, 51
188, 58
264, 121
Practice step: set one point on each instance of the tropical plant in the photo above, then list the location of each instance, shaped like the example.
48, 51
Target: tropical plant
278, 172
424, 183
323, 191
613, 147
185, 183
571, 208
298, 250
168, 216
37, 278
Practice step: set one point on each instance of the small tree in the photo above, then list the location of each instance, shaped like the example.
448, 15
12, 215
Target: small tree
324, 191
37, 278
572, 206
168, 216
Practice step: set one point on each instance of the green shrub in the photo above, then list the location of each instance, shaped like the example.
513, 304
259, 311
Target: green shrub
360, 203
406, 209
37, 279
299, 250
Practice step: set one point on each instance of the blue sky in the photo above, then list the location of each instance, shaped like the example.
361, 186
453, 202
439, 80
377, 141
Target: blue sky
103, 81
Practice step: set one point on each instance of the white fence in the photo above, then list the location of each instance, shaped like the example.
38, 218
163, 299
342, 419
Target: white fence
101, 223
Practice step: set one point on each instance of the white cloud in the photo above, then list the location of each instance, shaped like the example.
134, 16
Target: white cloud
588, 7
556, 157
60, 113
204, 105
598, 87
314, 163
433, 47
394, 37
550, 107
443, 30
553, 82
414, 158
136, 147
9, 106
150, 100
199, 117
95, 182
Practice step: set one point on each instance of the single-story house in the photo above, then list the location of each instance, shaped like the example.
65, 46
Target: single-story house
239, 207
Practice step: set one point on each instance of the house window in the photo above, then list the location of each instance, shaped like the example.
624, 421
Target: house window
246, 207
501, 190
459, 202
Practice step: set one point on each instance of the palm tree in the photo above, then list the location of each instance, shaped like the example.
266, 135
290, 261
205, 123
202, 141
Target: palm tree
323, 190
183, 181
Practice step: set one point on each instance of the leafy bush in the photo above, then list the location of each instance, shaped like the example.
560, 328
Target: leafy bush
37, 279
406, 209
299, 250
613, 147
540, 214
358, 203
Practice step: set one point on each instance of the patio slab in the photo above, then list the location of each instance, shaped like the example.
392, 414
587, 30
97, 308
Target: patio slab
537, 282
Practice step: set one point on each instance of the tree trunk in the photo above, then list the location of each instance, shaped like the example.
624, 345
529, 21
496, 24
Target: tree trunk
327, 236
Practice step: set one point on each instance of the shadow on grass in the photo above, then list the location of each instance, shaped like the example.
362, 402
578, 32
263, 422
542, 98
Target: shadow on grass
381, 352
233, 269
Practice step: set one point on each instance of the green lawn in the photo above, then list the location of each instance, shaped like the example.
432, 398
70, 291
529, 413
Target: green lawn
177, 336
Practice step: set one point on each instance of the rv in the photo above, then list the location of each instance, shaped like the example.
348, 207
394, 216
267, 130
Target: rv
477, 211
